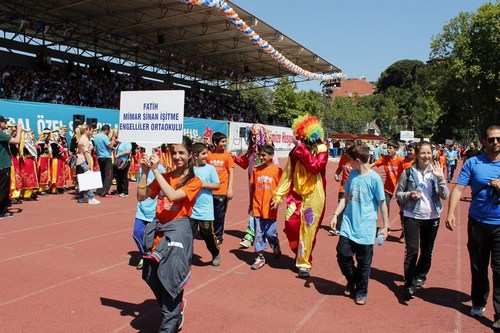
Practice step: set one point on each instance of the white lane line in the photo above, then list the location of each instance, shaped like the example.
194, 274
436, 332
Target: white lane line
64, 246
94, 218
299, 326
62, 283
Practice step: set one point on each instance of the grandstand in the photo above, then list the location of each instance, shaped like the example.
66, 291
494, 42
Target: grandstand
169, 43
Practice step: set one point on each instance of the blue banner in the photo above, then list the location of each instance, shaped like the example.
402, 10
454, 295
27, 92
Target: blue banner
37, 116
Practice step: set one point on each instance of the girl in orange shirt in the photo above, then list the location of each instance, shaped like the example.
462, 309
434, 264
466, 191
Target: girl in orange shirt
167, 271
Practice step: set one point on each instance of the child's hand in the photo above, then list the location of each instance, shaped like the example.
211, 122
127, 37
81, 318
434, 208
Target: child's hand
333, 223
384, 231
414, 195
437, 170
145, 164
154, 160
274, 205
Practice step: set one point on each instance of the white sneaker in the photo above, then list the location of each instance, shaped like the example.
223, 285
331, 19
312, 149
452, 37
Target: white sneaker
94, 201
245, 243
477, 311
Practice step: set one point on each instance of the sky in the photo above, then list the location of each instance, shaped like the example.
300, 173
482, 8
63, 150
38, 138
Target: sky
361, 37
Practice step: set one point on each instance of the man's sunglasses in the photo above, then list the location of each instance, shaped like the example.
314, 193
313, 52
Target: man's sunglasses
493, 138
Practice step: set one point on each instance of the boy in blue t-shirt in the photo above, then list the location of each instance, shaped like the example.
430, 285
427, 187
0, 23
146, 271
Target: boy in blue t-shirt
203, 209
364, 195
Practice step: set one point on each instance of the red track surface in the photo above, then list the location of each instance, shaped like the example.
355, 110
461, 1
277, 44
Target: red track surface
67, 267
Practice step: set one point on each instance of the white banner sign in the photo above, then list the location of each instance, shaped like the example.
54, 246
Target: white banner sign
151, 118
406, 135
282, 136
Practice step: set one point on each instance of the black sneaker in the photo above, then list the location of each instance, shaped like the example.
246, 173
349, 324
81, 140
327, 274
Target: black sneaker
420, 283
304, 272
409, 292
277, 251
349, 289
6, 214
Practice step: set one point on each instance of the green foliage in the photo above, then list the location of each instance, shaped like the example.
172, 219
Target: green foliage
260, 96
347, 115
468, 50
311, 102
402, 74
285, 101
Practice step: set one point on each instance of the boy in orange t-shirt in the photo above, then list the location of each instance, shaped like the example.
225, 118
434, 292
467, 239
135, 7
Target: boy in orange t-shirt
393, 167
223, 162
344, 169
263, 181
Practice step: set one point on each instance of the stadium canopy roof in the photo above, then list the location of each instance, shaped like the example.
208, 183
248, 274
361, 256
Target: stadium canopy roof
167, 36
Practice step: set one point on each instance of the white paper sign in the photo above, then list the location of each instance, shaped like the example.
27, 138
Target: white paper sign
152, 117
448, 141
406, 135
89, 180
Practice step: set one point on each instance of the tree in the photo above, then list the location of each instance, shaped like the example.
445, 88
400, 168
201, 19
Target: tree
261, 97
285, 103
311, 102
401, 74
467, 52
347, 115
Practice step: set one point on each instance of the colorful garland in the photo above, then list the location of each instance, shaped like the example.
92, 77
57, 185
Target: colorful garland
308, 128
263, 44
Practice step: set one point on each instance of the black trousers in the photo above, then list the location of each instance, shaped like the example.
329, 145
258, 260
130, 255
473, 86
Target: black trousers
220, 207
484, 243
419, 235
106, 168
207, 234
121, 176
4, 189
170, 307
355, 275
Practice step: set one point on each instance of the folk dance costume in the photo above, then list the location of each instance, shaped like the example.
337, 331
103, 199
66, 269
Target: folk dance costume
28, 165
16, 182
68, 173
303, 184
135, 164
43, 162
58, 164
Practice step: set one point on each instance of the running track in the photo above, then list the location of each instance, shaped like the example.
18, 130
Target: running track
69, 267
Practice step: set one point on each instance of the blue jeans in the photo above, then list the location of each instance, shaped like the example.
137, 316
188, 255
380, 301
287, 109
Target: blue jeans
138, 233
451, 171
265, 229
81, 168
355, 275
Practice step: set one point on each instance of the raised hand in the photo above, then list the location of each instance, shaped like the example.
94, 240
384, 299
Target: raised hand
437, 170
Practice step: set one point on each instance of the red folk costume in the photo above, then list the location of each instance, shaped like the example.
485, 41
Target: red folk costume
27, 164
63, 130
135, 164
303, 184
16, 183
43, 161
58, 164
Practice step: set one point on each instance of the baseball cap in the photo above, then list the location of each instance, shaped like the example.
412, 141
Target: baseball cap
2, 119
